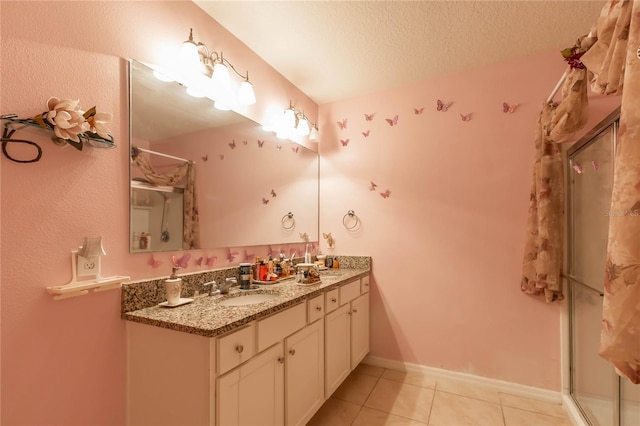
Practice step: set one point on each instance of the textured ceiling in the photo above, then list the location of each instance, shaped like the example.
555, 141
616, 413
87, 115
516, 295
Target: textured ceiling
335, 50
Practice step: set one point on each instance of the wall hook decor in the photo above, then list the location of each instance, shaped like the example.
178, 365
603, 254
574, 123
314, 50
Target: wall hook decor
70, 125
329, 238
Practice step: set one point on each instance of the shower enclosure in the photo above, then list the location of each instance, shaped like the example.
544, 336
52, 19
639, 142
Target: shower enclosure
602, 397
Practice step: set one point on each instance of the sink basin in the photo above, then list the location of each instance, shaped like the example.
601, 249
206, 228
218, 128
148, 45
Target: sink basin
247, 299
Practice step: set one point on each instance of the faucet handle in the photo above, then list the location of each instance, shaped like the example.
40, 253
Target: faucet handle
213, 287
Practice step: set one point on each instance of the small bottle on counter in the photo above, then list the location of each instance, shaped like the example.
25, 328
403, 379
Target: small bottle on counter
329, 262
336, 264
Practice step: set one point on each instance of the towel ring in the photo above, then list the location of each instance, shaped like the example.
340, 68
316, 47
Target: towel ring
288, 219
350, 216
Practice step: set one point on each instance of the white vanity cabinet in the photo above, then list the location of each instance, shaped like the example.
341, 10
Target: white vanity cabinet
346, 334
275, 370
304, 370
253, 394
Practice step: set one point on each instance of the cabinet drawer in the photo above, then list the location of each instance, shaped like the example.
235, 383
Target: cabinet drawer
281, 325
315, 308
331, 301
349, 291
235, 348
364, 285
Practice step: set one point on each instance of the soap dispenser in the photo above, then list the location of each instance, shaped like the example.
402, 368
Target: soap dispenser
173, 286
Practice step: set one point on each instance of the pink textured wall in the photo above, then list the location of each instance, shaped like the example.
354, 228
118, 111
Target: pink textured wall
63, 362
447, 243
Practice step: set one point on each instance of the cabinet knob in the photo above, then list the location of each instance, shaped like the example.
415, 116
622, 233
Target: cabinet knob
239, 349
350, 313
292, 352
334, 300
318, 308
366, 284
281, 360
355, 311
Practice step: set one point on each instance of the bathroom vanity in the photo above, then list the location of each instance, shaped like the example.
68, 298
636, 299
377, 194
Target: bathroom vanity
221, 361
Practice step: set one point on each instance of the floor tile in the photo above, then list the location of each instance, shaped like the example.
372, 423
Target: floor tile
412, 378
543, 407
517, 417
355, 388
401, 399
469, 389
335, 413
370, 417
456, 410
369, 369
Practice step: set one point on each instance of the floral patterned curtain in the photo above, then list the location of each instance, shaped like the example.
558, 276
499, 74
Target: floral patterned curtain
615, 62
191, 227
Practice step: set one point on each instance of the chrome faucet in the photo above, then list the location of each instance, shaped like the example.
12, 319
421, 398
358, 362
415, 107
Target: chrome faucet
213, 287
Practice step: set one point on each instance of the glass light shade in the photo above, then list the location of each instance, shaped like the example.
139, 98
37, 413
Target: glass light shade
162, 76
221, 83
189, 56
314, 136
221, 106
246, 96
303, 126
289, 119
195, 92
92, 247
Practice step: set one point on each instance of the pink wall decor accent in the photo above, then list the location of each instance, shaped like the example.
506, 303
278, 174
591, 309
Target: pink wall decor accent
63, 362
447, 244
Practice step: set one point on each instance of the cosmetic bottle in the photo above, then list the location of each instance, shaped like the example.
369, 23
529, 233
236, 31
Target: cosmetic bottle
173, 287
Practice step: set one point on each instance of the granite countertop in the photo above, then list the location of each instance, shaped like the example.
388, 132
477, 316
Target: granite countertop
205, 317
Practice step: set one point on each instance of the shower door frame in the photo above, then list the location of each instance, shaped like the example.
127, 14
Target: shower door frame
611, 120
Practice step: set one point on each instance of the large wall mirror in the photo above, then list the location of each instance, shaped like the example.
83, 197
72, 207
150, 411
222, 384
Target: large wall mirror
250, 187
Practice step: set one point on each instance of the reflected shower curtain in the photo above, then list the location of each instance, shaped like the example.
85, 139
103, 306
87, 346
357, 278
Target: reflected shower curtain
191, 228
615, 62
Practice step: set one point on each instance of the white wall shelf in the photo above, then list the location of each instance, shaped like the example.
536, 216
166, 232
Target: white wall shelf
81, 288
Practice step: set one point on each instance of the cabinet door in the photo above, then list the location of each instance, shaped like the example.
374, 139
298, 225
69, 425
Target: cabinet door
359, 329
253, 394
337, 348
304, 371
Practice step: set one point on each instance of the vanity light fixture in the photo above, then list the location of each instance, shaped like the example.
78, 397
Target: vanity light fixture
206, 73
85, 263
292, 124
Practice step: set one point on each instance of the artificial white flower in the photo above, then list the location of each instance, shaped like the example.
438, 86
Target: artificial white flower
96, 123
66, 118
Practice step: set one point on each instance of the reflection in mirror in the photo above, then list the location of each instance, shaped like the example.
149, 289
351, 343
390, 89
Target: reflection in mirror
246, 181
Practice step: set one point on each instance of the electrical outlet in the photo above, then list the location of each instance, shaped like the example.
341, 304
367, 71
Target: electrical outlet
88, 266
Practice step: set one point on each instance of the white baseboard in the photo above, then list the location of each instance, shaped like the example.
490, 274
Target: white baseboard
572, 411
499, 385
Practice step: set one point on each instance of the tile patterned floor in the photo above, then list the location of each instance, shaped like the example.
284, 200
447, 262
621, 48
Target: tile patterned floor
373, 396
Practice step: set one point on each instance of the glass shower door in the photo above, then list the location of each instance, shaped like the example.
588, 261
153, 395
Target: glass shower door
594, 384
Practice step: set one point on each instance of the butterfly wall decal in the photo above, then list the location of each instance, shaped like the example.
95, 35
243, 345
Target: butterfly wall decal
329, 238
344, 142
373, 186
182, 261
206, 157
265, 201
221, 156
595, 166
369, 117
260, 143
392, 121
231, 255
295, 148
199, 261
465, 117
248, 256
442, 106
385, 194
366, 134
232, 144
342, 124
506, 108
278, 147
577, 168
153, 262
273, 193
211, 260
270, 251
244, 142
304, 236
418, 111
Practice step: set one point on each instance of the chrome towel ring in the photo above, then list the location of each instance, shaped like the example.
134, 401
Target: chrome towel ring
350, 219
288, 222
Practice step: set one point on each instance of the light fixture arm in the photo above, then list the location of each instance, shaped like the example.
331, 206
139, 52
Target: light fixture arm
214, 58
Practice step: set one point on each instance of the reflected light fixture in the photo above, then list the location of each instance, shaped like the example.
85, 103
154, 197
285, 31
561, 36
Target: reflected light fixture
292, 124
207, 73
